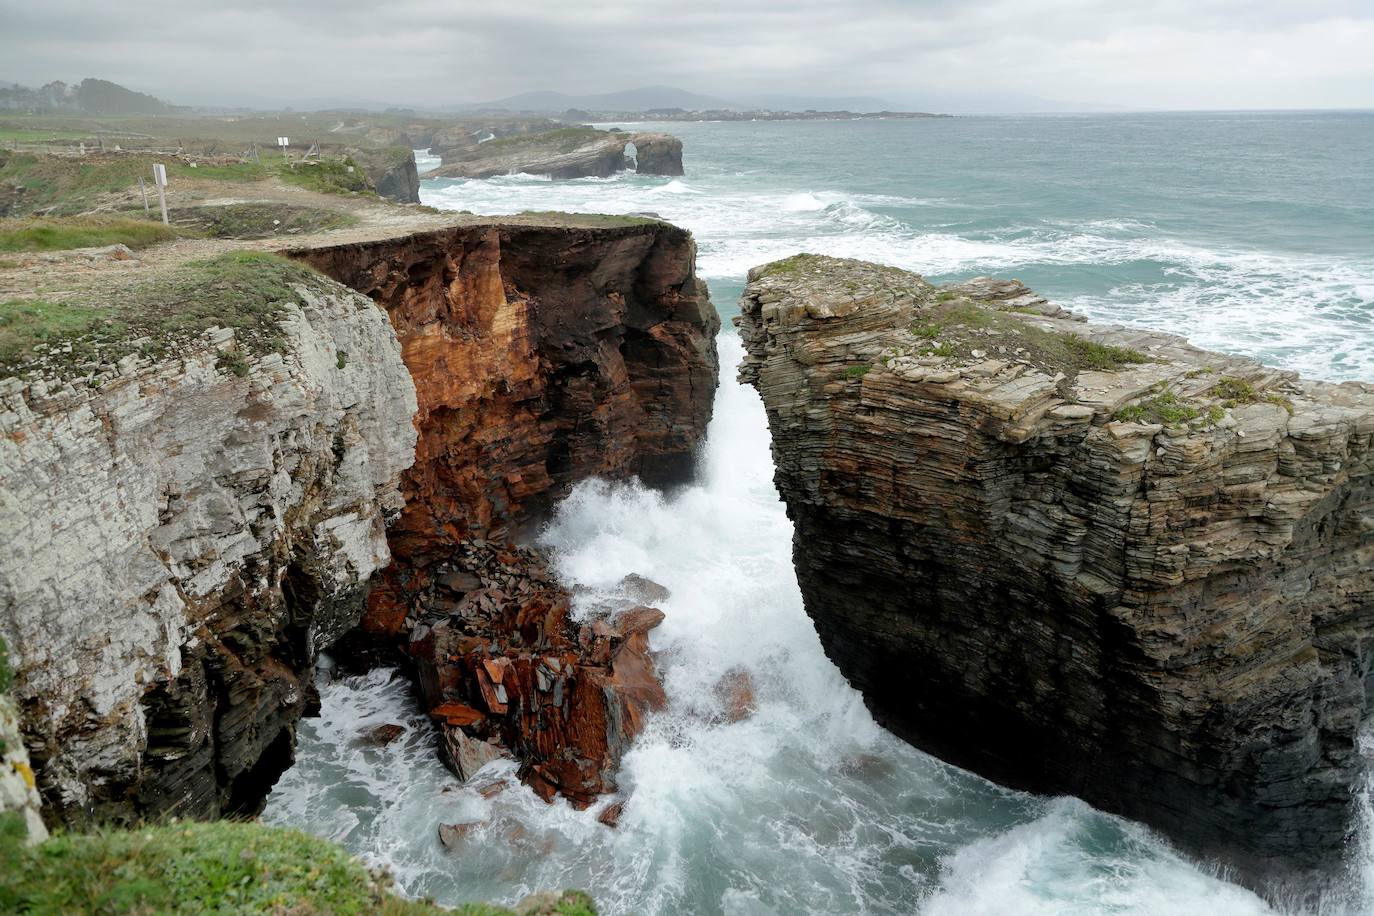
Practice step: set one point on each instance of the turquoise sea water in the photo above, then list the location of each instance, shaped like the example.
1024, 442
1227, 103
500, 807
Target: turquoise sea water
1251, 233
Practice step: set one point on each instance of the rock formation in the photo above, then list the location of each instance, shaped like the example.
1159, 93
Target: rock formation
18, 789
182, 532
542, 356
392, 171
1076, 559
179, 537
571, 152
503, 668
657, 154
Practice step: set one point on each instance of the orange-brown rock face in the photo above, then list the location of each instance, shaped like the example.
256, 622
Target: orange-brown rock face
541, 356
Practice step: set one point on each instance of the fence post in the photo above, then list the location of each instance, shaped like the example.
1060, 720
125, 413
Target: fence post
160, 179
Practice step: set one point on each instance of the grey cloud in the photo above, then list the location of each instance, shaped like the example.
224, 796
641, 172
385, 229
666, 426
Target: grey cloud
1155, 53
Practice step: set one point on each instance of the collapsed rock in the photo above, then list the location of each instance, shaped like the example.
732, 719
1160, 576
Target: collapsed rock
502, 666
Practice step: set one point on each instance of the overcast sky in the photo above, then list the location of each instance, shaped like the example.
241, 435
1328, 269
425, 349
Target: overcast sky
1133, 53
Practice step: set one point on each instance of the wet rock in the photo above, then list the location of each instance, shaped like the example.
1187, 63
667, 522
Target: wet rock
642, 590
735, 691
610, 815
464, 754
454, 835
566, 699
381, 735
1141, 580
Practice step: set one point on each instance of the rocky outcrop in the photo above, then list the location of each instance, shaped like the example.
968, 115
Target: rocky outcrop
392, 172
1076, 559
183, 529
18, 790
503, 668
571, 152
542, 356
657, 154
179, 537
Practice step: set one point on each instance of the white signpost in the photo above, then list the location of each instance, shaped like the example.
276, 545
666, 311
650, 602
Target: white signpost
283, 142
160, 179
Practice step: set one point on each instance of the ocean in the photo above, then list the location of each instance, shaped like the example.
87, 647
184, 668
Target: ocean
1250, 233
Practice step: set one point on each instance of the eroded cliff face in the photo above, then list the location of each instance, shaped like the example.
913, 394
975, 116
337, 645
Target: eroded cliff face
542, 356
179, 537
181, 534
1080, 560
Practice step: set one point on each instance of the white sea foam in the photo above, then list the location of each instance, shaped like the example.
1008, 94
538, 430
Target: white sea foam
1313, 314
807, 807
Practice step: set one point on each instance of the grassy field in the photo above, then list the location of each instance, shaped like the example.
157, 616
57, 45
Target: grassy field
46, 234
74, 185
242, 290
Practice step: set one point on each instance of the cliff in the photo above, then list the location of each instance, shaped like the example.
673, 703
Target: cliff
182, 531
542, 356
199, 460
1076, 559
392, 171
570, 152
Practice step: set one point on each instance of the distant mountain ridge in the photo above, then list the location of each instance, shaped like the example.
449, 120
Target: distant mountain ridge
93, 96
643, 99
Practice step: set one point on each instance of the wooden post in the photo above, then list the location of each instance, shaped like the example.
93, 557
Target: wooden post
143, 189
160, 179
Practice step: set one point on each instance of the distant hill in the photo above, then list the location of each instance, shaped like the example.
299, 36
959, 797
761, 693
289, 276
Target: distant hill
92, 96
642, 99
856, 103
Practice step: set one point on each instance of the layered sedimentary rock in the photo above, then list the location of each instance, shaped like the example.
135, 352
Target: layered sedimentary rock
179, 537
1076, 559
565, 153
542, 356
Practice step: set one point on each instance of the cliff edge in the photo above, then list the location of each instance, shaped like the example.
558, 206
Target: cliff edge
1076, 559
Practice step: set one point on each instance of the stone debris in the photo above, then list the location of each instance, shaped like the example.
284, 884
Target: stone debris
735, 692
381, 735
610, 815
510, 671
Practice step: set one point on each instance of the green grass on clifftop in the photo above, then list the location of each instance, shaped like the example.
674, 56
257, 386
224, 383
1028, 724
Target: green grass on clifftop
69, 184
563, 140
56, 234
242, 290
218, 867
223, 867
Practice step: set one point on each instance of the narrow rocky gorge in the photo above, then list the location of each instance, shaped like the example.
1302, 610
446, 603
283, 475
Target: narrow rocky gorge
182, 533
541, 357
1075, 559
